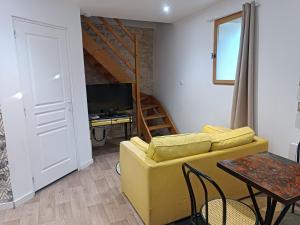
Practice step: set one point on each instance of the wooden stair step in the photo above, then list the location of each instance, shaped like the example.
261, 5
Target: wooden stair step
147, 107
143, 98
159, 127
155, 116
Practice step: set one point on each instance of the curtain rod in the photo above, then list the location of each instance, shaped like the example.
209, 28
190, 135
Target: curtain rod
214, 19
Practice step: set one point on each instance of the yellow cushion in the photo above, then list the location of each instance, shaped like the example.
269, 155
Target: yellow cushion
214, 129
139, 143
233, 138
177, 146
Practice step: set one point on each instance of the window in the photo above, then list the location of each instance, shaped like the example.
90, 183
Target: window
226, 48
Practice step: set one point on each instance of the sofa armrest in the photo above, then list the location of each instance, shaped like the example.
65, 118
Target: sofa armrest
135, 178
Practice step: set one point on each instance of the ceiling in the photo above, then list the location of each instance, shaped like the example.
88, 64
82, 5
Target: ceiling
145, 10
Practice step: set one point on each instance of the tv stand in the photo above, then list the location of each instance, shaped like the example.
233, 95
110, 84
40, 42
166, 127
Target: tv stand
101, 121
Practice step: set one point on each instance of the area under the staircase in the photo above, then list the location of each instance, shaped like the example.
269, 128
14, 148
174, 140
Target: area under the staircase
120, 51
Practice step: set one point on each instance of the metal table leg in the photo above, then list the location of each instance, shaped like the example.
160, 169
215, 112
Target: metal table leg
270, 211
282, 214
130, 129
126, 131
271, 206
256, 208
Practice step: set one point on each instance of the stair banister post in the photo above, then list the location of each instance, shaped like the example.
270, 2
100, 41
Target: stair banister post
137, 85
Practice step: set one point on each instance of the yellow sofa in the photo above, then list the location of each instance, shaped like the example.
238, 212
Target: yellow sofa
157, 190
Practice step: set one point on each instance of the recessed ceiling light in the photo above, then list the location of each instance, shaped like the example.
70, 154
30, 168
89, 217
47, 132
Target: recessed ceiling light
166, 8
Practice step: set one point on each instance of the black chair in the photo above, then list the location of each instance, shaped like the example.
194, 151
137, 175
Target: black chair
298, 160
217, 211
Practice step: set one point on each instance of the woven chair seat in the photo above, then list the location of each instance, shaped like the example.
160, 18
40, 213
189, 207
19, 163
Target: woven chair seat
237, 213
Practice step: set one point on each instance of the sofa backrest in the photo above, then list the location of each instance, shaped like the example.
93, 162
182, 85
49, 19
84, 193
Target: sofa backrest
170, 147
177, 146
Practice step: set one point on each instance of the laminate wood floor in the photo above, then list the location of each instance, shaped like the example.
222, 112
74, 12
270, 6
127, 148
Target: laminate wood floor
91, 197
88, 197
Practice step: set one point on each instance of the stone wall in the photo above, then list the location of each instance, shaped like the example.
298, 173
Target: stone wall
5, 185
146, 43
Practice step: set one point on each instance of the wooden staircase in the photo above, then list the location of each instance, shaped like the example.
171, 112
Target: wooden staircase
151, 117
156, 121
91, 46
99, 67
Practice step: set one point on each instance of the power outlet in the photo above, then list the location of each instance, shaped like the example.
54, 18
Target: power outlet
293, 151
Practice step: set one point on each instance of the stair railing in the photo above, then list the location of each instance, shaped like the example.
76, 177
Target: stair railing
141, 124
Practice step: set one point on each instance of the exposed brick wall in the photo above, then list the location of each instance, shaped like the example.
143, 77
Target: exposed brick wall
93, 75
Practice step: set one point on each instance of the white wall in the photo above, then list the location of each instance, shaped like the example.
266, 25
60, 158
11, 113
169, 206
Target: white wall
183, 71
52, 12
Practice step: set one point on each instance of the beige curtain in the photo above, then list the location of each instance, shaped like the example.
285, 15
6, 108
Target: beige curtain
242, 113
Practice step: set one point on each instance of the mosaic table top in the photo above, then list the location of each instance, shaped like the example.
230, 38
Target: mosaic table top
274, 175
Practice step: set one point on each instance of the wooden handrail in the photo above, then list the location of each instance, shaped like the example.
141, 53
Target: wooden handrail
113, 32
146, 132
107, 42
130, 35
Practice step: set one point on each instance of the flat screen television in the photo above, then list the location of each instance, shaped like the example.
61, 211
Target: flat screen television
109, 98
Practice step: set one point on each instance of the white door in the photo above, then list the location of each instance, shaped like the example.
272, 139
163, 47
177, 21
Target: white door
44, 72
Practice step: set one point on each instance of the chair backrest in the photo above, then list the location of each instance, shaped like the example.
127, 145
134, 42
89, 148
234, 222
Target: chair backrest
187, 171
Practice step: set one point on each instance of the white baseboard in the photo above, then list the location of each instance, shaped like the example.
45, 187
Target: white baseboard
85, 164
23, 199
6, 205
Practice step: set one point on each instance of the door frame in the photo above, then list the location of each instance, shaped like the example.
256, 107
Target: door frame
79, 164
